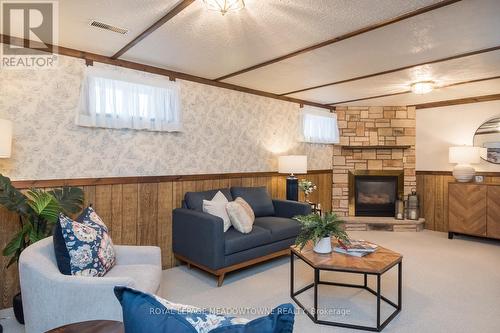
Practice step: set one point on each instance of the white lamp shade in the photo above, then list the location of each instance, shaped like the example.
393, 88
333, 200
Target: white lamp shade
464, 155
292, 164
5, 138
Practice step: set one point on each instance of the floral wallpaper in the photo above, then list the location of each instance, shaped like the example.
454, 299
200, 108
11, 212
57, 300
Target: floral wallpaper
224, 131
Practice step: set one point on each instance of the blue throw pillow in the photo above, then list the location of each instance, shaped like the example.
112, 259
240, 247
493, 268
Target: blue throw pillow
83, 247
145, 313
61, 251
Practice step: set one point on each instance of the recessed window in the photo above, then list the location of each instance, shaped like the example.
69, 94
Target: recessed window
319, 126
115, 99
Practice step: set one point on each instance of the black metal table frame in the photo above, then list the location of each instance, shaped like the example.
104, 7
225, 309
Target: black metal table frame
377, 293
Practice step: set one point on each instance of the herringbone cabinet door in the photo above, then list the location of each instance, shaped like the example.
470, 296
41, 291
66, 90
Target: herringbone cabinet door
493, 226
467, 208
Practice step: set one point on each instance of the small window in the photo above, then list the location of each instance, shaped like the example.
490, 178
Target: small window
319, 126
113, 99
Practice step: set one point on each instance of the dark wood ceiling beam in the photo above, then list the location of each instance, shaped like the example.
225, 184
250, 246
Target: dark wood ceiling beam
409, 91
167, 17
87, 56
370, 97
458, 56
343, 37
468, 100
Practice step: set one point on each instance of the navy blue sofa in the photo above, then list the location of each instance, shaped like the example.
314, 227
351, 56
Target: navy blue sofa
199, 239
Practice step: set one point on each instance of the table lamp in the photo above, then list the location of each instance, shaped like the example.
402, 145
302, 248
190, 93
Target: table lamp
464, 156
291, 165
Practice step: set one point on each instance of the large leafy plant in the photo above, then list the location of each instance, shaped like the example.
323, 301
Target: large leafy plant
38, 210
316, 227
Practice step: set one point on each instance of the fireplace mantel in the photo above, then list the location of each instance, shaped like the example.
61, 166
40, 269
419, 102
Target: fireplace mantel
377, 147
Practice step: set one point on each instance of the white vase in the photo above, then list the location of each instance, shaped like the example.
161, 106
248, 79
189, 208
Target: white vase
324, 245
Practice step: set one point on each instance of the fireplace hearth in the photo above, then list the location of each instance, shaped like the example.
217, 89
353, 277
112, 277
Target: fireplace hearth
374, 193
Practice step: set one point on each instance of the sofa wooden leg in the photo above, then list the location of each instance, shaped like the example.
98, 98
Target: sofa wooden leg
220, 279
189, 266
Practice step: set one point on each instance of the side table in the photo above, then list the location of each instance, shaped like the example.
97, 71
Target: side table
374, 264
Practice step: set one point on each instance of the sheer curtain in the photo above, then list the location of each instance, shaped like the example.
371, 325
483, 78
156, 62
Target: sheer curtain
116, 99
319, 126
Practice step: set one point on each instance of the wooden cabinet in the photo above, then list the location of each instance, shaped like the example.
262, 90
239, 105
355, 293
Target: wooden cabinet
493, 212
474, 209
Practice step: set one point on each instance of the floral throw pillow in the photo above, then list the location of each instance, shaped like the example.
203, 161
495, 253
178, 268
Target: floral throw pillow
89, 247
144, 313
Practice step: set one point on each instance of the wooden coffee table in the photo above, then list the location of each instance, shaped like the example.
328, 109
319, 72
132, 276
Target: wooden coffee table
94, 326
375, 264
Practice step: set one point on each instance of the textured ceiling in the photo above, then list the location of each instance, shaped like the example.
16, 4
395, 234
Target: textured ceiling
210, 45
425, 37
455, 92
444, 73
75, 16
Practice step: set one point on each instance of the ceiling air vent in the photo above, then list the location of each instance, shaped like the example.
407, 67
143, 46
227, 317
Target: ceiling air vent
105, 26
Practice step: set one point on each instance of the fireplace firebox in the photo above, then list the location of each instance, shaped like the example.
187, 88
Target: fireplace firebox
374, 193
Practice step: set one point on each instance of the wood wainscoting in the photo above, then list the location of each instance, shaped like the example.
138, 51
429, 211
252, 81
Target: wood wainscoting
138, 210
432, 188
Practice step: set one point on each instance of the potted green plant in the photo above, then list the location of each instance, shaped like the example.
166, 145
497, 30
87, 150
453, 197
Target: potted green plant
319, 230
38, 210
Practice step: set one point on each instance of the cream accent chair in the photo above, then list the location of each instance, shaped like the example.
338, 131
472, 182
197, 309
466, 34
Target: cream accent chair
51, 299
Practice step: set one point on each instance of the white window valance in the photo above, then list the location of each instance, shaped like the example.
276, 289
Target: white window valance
319, 126
116, 99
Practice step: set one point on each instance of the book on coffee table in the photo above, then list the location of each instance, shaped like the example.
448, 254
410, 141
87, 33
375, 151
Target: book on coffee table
350, 253
357, 248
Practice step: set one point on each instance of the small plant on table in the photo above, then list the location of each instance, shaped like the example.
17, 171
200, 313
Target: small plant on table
319, 229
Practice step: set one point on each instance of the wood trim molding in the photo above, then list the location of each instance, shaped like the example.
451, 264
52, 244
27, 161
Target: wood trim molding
370, 97
409, 91
342, 37
5, 39
449, 173
22, 184
457, 56
467, 100
376, 147
171, 14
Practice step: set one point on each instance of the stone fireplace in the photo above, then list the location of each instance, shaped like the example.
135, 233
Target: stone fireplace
378, 145
374, 193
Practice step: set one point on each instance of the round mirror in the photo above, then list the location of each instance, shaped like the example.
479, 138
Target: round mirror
488, 137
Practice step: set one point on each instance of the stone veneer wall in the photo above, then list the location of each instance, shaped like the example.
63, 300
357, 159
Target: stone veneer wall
372, 126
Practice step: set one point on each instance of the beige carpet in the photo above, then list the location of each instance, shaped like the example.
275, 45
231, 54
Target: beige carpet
448, 286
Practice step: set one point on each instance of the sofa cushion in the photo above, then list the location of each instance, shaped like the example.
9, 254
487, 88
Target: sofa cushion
144, 312
146, 277
241, 215
194, 200
235, 241
257, 197
217, 207
280, 227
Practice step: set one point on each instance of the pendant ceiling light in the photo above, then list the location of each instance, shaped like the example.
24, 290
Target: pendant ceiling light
422, 87
224, 6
